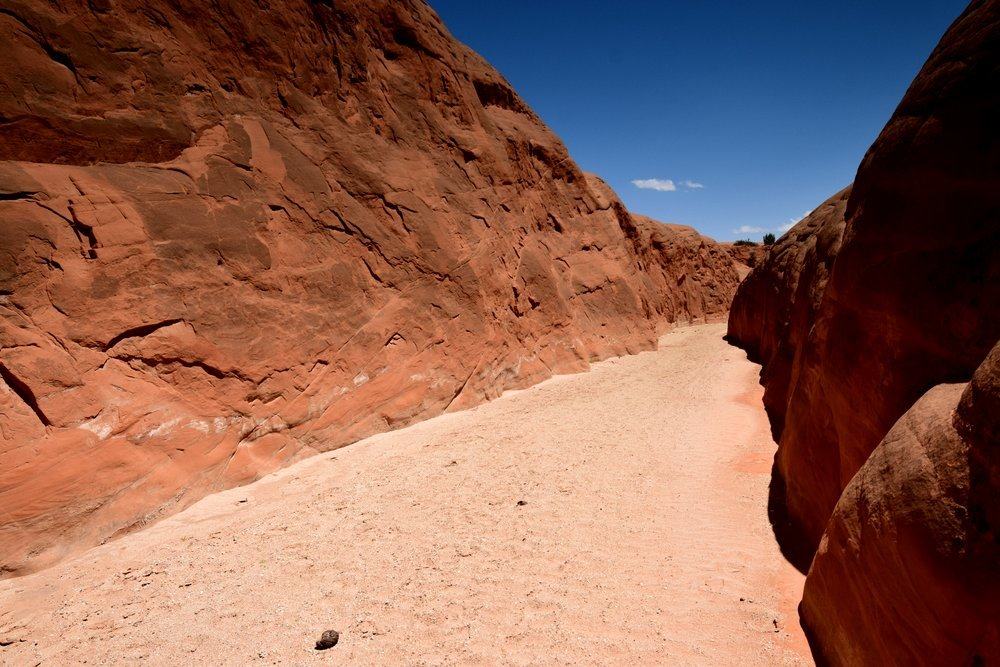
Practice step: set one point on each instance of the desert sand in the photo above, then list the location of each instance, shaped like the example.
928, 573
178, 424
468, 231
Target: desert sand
616, 516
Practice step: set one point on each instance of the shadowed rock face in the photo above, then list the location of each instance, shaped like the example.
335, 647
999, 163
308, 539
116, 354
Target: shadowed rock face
862, 321
235, 234
912, 548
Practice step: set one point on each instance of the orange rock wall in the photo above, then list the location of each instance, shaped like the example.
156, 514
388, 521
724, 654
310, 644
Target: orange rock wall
887, 294
235, 234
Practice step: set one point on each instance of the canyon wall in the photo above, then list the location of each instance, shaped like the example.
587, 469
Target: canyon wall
746, 256
238, 233
887, 293
907, 570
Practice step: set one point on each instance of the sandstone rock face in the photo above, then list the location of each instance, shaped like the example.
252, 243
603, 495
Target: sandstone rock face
777, 303
746, 256
772, 313
684, 269
912, 549
864, 318
912, 297
232, 235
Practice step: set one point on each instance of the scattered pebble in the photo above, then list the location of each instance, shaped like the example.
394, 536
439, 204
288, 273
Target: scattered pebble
522, 503
328, 640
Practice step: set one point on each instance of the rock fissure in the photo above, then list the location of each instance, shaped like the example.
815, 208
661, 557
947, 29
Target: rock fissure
24, 392
140, 331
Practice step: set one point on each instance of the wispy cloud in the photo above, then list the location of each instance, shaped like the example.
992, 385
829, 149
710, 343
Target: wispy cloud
793, 221
752, 229
658, 184
665, 184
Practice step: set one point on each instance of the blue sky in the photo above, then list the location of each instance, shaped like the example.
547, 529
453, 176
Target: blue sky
768, 105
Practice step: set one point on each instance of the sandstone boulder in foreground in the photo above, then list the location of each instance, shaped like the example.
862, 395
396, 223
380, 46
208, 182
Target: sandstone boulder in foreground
232, 235
854, 322
911, 549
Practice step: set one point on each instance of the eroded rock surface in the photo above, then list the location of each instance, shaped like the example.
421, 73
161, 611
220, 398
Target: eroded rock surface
854, 322
684, 269
234, 234
777, 303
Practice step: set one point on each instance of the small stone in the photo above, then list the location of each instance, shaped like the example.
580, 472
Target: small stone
522, 503
328, 640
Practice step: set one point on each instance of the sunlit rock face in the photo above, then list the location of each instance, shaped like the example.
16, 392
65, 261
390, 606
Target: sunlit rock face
884, 293
235, 234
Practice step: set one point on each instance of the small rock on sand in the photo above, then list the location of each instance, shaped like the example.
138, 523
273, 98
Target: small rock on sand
328, 640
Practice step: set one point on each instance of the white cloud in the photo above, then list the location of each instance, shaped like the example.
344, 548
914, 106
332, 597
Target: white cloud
665, 184
780, 229
658, 184
793, 221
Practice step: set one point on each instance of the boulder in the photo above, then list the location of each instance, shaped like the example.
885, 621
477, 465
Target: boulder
907, 570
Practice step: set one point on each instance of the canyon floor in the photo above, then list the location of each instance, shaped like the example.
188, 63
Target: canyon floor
612, 517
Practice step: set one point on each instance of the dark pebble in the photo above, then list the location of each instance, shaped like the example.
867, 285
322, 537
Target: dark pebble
522, 503
328, 640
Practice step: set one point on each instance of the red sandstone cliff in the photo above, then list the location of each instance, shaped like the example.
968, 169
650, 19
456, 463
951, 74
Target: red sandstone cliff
854, 322
233, 234
684, 269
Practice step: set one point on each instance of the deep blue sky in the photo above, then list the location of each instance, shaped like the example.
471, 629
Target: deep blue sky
770, 105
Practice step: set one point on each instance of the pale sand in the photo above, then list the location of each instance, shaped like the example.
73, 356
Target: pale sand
645, 482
